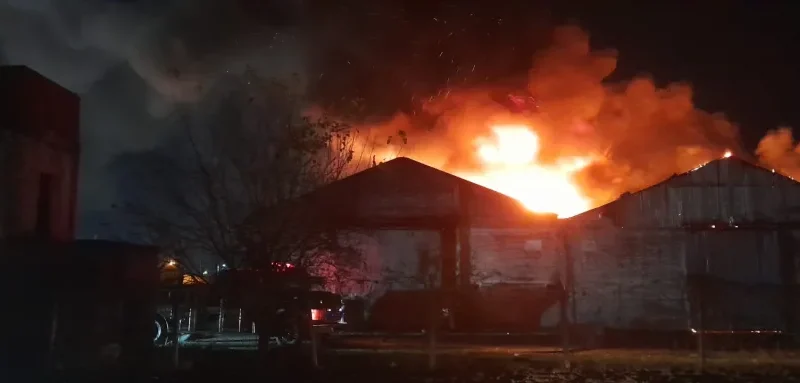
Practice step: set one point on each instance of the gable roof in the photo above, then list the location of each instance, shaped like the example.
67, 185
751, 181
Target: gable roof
406, 189
708, 174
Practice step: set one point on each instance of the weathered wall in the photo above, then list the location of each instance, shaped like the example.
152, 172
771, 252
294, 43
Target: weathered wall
746, 267
729, 220
527, 256
627, 278
499, 255
524, 256
40, 120
390, 262
35, 158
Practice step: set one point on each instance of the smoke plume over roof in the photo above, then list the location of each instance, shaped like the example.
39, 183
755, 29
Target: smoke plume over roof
433, 69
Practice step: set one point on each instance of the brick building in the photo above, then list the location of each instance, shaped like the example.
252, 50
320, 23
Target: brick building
39, 154
78, 299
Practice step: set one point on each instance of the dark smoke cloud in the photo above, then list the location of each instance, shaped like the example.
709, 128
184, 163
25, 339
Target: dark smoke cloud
133, 62
404, 61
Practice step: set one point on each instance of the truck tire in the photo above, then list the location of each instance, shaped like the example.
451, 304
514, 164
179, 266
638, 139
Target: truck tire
160, 330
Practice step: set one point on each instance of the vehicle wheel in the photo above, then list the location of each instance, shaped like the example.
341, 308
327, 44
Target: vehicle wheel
290, 335
160, 330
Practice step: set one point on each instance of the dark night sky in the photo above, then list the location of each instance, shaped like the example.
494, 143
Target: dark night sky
120, 55
741, 58
738, 57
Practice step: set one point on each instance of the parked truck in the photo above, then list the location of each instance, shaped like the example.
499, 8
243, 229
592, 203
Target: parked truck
227, 303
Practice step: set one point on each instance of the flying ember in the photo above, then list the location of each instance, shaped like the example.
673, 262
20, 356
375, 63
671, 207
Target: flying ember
509, 165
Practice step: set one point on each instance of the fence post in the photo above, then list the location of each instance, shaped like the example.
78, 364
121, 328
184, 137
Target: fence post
175, 323
221, 317
432, 325
314, 345
701, 349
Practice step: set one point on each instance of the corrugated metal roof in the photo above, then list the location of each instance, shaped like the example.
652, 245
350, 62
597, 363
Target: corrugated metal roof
726, 189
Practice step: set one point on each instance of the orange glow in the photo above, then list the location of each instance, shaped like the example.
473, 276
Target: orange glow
569, 139
509, 165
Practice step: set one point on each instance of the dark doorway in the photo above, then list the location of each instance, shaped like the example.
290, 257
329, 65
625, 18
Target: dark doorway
44, 206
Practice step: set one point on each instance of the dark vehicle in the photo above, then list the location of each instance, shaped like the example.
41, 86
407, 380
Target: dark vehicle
302, 310
326, 308
229, 302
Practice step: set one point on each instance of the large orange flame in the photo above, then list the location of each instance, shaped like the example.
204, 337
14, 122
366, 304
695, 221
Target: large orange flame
581, 143
509, 165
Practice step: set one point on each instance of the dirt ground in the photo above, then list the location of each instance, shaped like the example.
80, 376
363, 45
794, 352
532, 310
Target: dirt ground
392, 360
477, 366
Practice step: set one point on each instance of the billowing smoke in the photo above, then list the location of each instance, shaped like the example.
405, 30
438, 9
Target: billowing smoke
638, 132
433, 69
779, 150
132, 62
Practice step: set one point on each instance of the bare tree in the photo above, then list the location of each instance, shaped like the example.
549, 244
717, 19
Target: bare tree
223, 193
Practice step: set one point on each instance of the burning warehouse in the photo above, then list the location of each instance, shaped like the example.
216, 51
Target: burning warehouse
416, 222
628, 264
731, 224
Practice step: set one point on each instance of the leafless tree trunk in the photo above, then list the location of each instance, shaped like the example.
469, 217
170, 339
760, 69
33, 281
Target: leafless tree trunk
226, 192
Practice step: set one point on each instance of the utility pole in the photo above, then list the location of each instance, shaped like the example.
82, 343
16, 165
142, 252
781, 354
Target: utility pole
565, 295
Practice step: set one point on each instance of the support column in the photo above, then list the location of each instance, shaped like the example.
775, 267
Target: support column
464, 243
464, 256
447, 248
